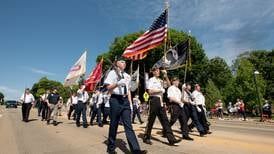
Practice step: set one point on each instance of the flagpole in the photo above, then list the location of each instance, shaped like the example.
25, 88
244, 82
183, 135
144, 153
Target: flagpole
188, 59
165, 47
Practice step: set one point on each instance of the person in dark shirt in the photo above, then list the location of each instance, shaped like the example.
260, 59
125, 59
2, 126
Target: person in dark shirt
53, 101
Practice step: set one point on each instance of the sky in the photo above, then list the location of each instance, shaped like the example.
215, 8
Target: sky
45, 37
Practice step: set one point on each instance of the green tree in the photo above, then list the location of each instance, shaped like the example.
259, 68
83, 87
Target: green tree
245, 86
44, 84
212, 94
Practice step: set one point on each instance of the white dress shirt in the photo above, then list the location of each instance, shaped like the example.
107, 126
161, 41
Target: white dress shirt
82, 96
155, 83
199, 98
175, 92
112, 78
27, 98
106, 100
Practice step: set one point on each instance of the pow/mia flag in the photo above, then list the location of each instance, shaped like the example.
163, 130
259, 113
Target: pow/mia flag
175, 57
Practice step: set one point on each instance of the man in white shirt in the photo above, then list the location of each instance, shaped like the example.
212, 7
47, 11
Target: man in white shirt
72, 103
174, 95
44, 105
97, 108
191, 109
82, 96
117, 83
27, 100
106, 113
156, 90
136, 111
199, 101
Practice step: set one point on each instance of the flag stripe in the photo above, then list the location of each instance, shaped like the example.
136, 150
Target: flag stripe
142, 49
149, 40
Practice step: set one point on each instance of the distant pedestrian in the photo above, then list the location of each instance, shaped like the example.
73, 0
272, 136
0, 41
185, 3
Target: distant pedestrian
72, 103
136, 109
53, 102
242, 109
27, 100
44, 105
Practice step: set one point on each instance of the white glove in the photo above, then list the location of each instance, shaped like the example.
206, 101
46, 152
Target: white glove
131, 107
163, 90
122, 82
181, 105
198, 109
192, 103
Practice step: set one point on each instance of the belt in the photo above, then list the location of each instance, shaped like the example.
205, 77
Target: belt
118, 96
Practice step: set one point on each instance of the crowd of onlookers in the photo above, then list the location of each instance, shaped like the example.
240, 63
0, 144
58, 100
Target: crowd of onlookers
238, 110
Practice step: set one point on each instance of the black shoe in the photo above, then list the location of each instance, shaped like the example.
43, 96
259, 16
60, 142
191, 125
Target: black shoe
100, 125
78, 125
175, 142
55, 123
209, 132
147, 141
202, 134
48, 122
42, 119
141, 122
91, 123
139, 152
85, 126
186, 137
111, 152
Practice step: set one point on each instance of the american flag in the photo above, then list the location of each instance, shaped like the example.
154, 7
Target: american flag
156, 34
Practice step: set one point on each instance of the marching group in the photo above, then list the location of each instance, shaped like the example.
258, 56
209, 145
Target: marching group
114, 102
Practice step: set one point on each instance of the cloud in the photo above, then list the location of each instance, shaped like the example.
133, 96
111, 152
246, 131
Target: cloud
10, 93
34, 70
226, 28
39, 71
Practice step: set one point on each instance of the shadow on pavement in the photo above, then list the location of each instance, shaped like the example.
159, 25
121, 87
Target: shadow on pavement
121, 144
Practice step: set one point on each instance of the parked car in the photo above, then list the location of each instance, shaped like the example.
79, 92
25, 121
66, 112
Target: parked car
11, 103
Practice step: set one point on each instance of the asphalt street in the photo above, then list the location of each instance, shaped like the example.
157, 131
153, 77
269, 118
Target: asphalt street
35, 137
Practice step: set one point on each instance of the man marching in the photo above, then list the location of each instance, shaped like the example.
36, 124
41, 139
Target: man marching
156, 108
53, 101
81, 109
117, 82
27, 100
174, 95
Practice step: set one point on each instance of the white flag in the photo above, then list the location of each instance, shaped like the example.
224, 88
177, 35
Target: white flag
77, 70
134, 83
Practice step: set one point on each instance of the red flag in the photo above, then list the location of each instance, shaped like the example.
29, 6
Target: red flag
94, 77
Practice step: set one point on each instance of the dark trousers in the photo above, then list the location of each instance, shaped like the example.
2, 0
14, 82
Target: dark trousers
155, 109
106, 114
242, 112
98, 112
120, 108
71, 109
81, 110
202, 118
178, 113
44, 110
25, 111
136, 112
40, 107
191, 112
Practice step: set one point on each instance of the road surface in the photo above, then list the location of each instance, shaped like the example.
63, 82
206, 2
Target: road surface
35, 137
